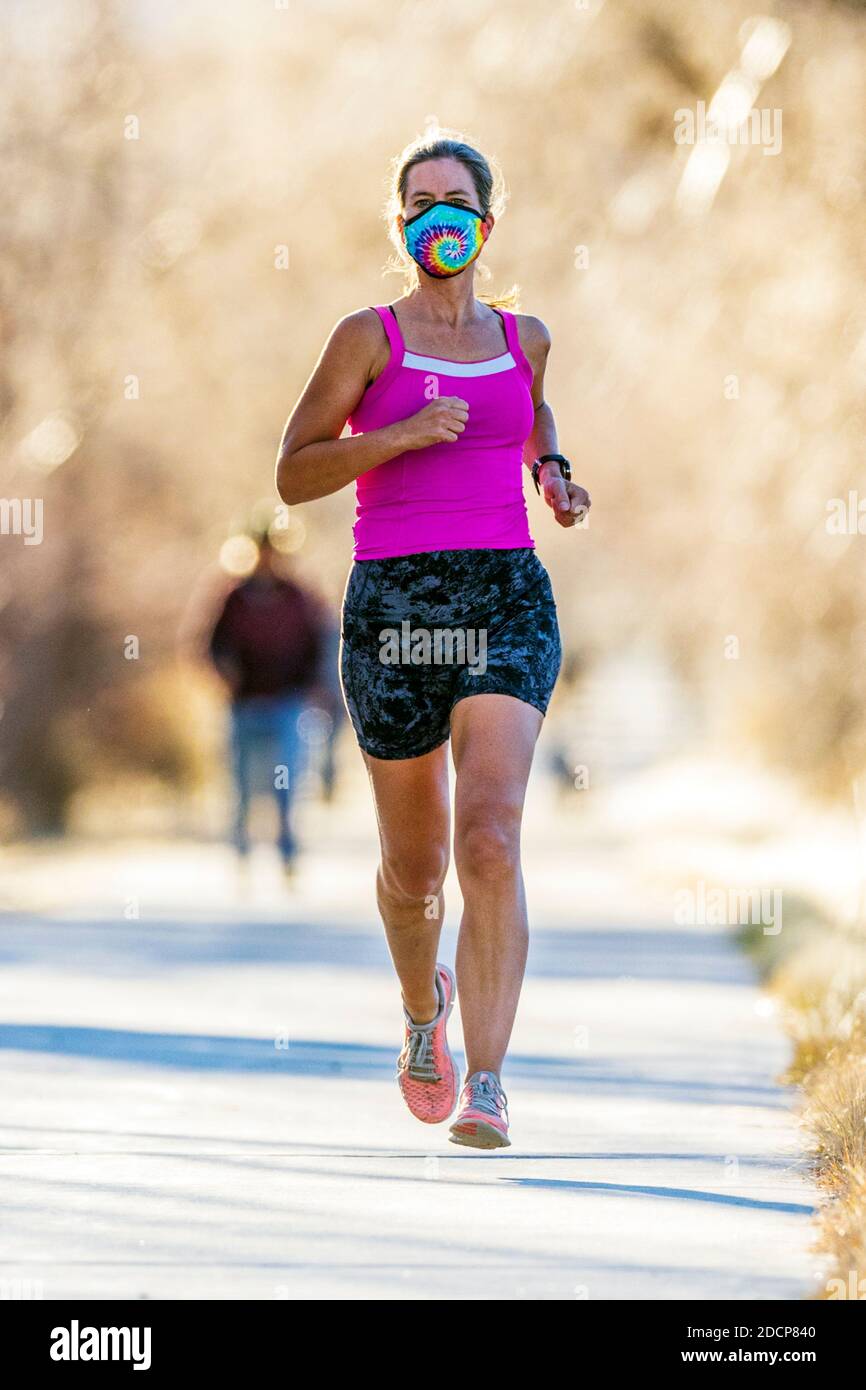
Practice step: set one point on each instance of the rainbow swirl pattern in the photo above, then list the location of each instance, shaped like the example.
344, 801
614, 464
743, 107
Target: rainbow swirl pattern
445, 238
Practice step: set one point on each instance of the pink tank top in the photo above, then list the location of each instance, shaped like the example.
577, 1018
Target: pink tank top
462, 495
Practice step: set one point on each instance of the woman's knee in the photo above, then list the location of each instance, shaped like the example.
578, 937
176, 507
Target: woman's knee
414, 876
487, 844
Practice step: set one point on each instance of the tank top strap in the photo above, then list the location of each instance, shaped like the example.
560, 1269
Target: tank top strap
392, 328
513, 341
395, 359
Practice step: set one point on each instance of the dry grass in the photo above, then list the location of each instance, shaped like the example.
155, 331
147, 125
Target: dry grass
843, 1239
822, 985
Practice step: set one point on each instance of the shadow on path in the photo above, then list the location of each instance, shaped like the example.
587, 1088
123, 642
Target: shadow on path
678, 1193
113, 948
360, 1062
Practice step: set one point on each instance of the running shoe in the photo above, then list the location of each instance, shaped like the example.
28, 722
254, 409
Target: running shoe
482, 1120
426, 1071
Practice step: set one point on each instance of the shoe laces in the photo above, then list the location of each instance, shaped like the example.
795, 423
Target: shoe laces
486, 1095
417, 1056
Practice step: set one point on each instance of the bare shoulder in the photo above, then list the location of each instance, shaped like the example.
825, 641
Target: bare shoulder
360, 329
357, 345
534, 335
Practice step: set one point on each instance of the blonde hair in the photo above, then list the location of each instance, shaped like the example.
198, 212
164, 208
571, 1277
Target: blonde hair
489, 186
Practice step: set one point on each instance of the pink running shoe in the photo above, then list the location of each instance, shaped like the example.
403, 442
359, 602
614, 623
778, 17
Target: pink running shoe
425, 1068
482, 1120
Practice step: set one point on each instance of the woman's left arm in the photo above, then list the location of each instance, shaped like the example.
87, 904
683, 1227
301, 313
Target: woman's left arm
569, 502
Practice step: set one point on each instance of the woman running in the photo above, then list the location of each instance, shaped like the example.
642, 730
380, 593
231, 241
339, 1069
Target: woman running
449, 627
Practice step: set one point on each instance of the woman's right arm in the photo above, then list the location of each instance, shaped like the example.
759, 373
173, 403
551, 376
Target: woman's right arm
313, 461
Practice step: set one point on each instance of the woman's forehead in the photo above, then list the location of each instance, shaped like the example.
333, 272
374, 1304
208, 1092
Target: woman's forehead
445, 176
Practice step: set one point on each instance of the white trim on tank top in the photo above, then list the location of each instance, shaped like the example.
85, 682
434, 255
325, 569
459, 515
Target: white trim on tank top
442, 365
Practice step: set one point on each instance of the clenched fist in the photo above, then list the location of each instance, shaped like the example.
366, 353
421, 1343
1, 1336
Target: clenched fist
569, 502
440, 422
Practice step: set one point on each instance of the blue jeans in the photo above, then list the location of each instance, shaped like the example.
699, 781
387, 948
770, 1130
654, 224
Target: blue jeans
267, 751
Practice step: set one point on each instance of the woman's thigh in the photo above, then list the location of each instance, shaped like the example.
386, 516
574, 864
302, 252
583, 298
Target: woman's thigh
412, 807
493, 739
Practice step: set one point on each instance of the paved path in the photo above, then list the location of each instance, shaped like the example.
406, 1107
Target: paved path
199, 1103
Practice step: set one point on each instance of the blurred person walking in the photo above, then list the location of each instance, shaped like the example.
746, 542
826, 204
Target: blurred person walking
267, 644
332, 711
449, 625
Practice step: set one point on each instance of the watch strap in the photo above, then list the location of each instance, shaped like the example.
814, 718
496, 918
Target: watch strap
564, 467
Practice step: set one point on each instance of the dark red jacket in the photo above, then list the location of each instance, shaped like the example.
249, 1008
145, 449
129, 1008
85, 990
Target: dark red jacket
268, 638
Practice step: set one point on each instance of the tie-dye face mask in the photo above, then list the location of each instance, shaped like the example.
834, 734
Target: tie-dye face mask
445, 238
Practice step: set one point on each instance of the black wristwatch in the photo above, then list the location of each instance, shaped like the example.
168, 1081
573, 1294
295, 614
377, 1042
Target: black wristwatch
564, 467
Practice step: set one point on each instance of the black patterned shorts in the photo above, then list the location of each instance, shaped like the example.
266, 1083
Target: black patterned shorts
420, 632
